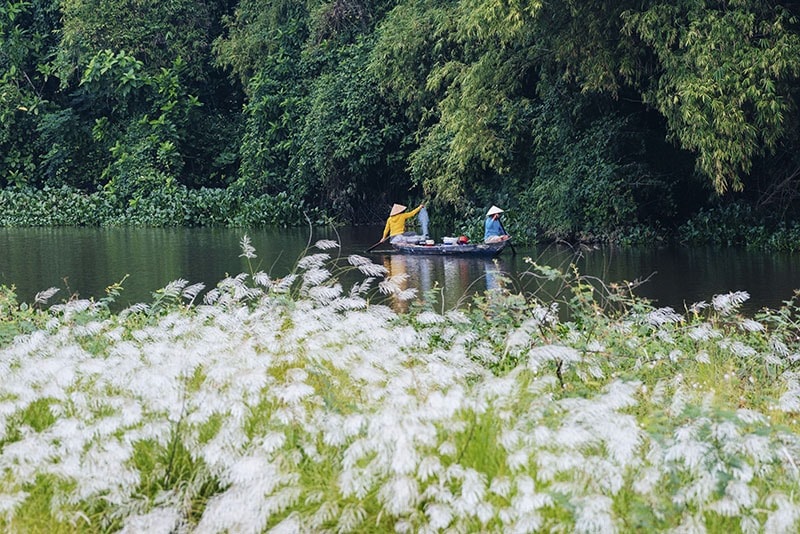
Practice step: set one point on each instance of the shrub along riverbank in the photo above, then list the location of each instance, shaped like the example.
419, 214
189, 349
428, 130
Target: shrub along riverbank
178, 206
297, 404
731, 225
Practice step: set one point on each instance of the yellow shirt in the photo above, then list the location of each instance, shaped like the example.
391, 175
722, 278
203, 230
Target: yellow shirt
396, 224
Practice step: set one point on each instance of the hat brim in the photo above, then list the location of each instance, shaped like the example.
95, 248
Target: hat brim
397, 208
494, 210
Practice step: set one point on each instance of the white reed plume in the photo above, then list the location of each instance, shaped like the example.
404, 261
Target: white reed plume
521, 337
400, 494
394, 284
594, 513
729, 302
691, 523
661, 316
134, 309
157, 521
174, 288
704, 332
315, 276
352, 516
248, 251
539, 356
702, 357
326, 512
43, 296
313, 261
361, 288
282, 285
326, 414
349, 303
697, 307
789, 400
325, 294
10, 501
406, 294
737, 348
784, 514
474, 490
430, 318
190, 292
524, 513
326, 244
440, 516
232, 290
212, 297
688, 449
73, 307
262, 279
750, 325
599, 419
367, 266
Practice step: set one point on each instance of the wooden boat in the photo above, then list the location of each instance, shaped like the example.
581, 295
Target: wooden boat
440, 249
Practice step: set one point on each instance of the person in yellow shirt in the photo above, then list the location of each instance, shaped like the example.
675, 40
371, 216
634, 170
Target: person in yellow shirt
396, 223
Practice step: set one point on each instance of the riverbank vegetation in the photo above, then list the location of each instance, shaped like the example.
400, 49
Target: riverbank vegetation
600, 120
296, 404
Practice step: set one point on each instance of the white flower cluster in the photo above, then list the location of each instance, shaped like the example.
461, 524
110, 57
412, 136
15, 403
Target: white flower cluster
328, 414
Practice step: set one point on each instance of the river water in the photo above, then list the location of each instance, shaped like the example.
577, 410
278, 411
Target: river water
84, 261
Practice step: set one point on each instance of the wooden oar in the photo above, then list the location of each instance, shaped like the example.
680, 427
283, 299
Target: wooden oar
378, 243
513, 250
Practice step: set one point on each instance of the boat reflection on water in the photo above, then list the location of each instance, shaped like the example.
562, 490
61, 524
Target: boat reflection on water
444, 282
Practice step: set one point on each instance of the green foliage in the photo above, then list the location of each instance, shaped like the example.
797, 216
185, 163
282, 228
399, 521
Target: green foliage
501, 129
155, 33
589, 120
87, 94
723, 78
281, 209
16, 318
426, 31
477, 119
263, 47
175, 205
48, 206
262, 32
487, 73
171, 468
738, 224
145, 150
582, 182
26, 41
315, 122
350, 137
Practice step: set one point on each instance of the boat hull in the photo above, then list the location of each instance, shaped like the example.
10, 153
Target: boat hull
468, 249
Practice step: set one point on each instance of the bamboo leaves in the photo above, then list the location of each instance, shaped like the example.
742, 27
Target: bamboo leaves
721, 80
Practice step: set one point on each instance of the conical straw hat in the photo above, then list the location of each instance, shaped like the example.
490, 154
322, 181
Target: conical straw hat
493, 210
397, 208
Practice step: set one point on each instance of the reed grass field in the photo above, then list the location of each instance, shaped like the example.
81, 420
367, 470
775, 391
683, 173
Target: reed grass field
293, 404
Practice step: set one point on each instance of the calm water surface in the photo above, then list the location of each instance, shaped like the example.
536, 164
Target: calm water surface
84, 261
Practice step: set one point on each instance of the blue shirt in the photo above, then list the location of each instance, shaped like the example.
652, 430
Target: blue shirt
492, 227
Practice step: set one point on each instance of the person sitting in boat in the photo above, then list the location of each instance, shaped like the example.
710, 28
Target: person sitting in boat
493, 228
396, 225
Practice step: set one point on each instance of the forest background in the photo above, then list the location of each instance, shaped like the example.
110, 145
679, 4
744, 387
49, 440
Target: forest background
628, 121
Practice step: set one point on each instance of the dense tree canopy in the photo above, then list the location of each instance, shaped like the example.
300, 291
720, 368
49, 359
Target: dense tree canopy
585, 117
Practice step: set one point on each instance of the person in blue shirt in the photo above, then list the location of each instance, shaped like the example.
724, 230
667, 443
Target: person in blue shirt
493, 230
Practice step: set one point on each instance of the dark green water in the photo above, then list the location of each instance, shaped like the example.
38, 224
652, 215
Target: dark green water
84, 261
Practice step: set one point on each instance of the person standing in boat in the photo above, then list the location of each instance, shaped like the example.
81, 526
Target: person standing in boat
396, 224
493, 230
